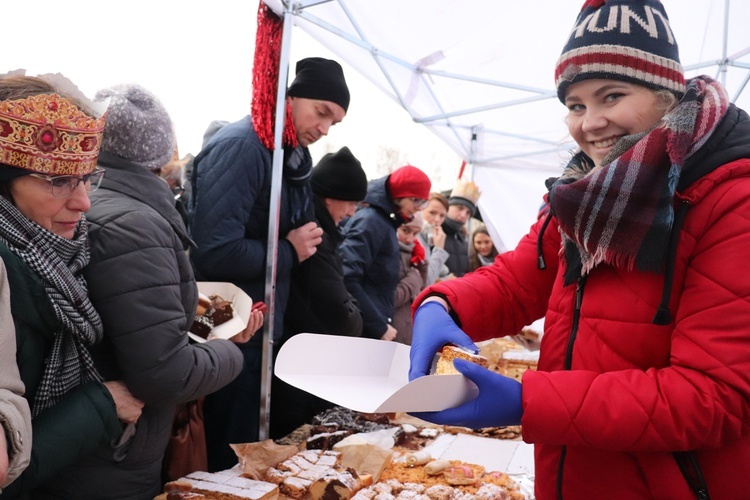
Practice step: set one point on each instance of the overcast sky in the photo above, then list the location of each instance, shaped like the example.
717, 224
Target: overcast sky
197, 58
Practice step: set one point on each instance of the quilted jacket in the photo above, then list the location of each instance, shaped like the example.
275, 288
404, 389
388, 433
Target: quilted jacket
371, 258
229, 215
141, 283
616, 395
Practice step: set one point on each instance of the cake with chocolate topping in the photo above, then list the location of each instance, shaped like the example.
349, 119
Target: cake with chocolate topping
210, 312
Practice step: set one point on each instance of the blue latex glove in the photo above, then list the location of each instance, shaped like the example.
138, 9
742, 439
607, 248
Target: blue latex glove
433, 328
498, 403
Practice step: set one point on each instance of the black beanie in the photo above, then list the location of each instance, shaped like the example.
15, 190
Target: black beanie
339, 176
321, 79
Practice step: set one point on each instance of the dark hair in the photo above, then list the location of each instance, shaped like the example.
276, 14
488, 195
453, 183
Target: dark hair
440, 198
474, 262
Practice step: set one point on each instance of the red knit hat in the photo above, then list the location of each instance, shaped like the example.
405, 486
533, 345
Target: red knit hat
409, 182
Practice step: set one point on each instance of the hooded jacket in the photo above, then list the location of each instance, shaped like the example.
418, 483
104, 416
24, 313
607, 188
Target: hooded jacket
141, 283
616, 395
371, 258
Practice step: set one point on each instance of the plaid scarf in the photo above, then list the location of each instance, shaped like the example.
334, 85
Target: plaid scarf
622, 214
58, 262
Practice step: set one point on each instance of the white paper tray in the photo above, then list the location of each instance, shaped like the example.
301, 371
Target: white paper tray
366, 375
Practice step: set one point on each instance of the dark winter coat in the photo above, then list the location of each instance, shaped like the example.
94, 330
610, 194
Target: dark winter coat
371, 258
84, 419
141, 283
615, 394
319, 301
229, 218
231, 195
457, 246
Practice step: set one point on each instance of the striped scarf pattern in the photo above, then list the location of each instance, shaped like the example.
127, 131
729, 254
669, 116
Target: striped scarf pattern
59, 263
622, 214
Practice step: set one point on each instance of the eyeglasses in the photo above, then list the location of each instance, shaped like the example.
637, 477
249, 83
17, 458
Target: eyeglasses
420, 204
64, 185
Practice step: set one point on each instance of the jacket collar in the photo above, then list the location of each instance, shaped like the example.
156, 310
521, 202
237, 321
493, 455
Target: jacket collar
141, 184
379, 198
326, 221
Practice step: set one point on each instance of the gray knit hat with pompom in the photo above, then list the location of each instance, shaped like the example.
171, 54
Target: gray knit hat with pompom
137, 127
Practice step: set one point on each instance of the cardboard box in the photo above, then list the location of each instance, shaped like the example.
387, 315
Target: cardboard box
366, 375
241, 305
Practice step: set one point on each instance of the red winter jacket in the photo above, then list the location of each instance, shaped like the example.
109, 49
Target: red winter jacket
606, 426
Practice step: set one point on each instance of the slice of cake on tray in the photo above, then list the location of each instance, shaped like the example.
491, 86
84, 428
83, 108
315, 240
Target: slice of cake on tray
224, 485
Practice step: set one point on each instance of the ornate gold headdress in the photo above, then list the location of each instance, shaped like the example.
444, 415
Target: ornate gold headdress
48, 134
466, 190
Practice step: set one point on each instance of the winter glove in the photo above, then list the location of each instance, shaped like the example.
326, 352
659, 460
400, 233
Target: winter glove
498, 403
417, 254
433, 328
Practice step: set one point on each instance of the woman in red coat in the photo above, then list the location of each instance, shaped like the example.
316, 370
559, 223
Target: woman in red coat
643, 386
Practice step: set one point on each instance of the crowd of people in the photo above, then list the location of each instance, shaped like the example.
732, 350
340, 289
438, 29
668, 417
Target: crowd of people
642, 388
103, 238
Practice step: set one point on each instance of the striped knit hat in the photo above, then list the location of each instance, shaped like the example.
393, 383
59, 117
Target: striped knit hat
627, 40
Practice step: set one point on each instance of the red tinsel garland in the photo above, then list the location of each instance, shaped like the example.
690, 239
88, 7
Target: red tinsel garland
266, 78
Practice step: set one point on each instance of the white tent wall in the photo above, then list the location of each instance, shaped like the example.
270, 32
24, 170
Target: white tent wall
478, 74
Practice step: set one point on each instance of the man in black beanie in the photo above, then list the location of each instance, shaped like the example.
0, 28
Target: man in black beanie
318, 300
229, 214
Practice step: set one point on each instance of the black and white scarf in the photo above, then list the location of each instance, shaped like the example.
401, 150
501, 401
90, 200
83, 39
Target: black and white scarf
59, 263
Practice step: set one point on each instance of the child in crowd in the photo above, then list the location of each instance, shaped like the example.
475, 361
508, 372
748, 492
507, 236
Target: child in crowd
413, 275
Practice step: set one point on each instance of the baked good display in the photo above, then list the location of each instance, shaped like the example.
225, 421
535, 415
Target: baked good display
314, 475
210, 312
326, 440
449, 353
448, 479
509, 358
339, 418
351, 471
224, 485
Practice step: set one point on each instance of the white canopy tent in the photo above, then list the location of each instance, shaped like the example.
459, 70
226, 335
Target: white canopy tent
478, 73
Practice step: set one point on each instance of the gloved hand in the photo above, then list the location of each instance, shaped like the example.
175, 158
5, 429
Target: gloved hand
498, 403
433, 328
418, 254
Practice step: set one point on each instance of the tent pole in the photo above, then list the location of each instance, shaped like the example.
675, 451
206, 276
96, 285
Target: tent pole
472, 150
273, 227
723, 63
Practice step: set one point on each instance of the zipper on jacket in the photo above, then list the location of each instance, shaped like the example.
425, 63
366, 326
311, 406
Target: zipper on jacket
568, 363
576, 318
691, 470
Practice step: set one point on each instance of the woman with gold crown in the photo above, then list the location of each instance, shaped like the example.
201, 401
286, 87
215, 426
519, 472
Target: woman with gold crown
49, 144
643, 383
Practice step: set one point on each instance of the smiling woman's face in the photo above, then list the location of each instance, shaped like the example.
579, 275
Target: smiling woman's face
33, 198
601, 111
